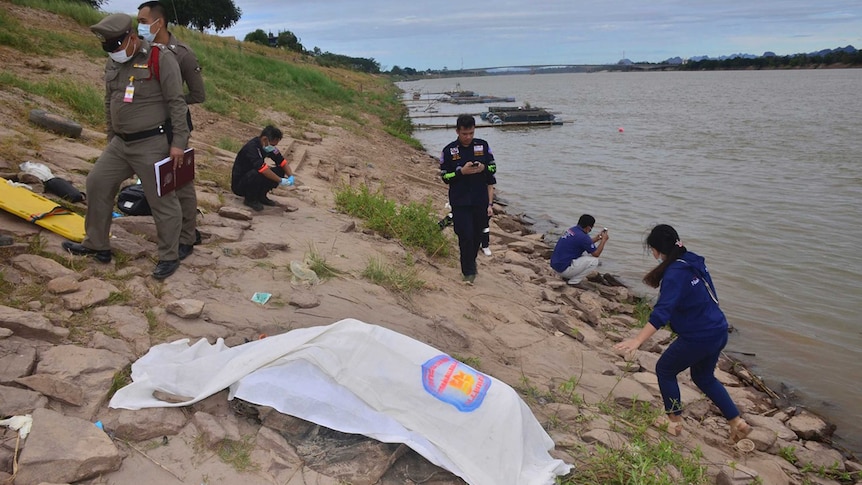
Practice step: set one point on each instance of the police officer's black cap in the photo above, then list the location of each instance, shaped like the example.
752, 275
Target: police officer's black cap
113, 30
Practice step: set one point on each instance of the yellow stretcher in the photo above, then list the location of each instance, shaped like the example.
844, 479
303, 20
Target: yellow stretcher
42, 211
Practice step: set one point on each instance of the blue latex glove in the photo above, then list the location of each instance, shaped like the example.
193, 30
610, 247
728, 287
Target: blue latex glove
287, 181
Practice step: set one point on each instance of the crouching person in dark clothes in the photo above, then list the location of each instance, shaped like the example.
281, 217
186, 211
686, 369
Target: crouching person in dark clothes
252, 177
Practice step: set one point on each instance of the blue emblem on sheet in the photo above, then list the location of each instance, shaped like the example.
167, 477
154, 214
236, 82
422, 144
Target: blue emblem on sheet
455, 383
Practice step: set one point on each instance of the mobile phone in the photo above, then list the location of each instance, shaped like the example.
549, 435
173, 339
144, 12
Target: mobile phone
475, 164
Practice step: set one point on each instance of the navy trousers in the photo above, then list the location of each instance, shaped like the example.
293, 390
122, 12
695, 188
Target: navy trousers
468, 221
701, 357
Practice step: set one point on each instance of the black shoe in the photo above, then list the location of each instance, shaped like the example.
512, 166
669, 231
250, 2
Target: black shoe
197, 237
102, 256
185, 250
255, 205
267, 201
165, 269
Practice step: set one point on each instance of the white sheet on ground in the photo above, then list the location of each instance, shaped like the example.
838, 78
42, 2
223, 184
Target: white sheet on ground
359, 378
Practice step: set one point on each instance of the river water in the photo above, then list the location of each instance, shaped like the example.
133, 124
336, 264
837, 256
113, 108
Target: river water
759, 171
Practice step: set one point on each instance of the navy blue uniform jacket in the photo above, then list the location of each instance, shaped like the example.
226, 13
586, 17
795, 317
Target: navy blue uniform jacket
466, 190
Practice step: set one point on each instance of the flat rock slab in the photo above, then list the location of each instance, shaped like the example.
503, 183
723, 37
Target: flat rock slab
236, 213
30, 325
54, 387
221, 233
17, 359
42, 267
91, 369
312, 137
142, 226
71, 361
15, 401
303, 299
185, 308
129, 322
144, 424
64, 284
197, 328
63, 449
91, 292
131, 244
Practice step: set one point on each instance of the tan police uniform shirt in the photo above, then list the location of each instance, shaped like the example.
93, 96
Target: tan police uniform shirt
153, 102
190, 70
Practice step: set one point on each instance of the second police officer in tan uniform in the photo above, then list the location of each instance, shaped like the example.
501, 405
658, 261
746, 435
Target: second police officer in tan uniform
153, 27
146, 121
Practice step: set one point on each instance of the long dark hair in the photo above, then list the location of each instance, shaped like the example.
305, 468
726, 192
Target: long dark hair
665, 240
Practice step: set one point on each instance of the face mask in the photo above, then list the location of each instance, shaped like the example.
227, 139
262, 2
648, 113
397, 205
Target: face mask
269, 149
660, 261
144, 31
120, 56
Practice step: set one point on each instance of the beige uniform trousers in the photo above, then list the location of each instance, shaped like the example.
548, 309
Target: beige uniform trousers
189, 204
118, 162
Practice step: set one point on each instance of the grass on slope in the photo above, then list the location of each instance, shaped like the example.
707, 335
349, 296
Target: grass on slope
244, 81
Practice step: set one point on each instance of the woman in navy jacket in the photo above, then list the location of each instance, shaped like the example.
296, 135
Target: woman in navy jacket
688, 303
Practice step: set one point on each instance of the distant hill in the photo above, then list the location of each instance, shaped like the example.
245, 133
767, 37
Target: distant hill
768, 54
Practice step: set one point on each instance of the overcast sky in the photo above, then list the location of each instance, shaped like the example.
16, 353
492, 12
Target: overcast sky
446, 33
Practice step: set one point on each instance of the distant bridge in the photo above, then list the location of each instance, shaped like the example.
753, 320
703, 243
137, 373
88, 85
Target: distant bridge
552, 68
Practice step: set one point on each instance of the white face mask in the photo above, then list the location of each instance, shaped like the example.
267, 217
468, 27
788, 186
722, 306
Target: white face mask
144, 31
120, 56
660, 261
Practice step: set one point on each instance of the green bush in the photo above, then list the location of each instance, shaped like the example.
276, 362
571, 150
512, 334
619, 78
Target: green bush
414, 224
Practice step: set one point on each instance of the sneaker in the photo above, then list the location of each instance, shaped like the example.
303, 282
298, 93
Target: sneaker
267, 201
469, 279
185, 250
487, 251
102, 256
165, 269
255, 205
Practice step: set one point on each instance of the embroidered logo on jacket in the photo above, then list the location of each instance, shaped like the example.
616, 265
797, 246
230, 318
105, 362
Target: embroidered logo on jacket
478, 150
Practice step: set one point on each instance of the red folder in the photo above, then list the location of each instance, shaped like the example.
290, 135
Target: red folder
170, 178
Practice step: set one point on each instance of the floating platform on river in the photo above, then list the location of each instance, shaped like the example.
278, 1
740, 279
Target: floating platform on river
435, 126
458, 97
497, 115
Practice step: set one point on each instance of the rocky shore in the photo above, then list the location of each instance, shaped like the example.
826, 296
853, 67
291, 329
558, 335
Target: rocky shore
71, 327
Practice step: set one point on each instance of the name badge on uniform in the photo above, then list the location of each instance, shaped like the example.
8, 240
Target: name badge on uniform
130, 91
478, 150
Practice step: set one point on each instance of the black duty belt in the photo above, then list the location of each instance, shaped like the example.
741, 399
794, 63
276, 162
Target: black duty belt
159, 130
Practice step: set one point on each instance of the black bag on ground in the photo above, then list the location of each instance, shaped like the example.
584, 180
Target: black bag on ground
132, 201
63, 189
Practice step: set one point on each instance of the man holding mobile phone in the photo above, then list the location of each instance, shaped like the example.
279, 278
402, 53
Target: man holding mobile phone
577, 253
467, 166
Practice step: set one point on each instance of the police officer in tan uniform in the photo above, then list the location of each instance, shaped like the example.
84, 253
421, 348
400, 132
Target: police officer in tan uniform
146, 115
153, 27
